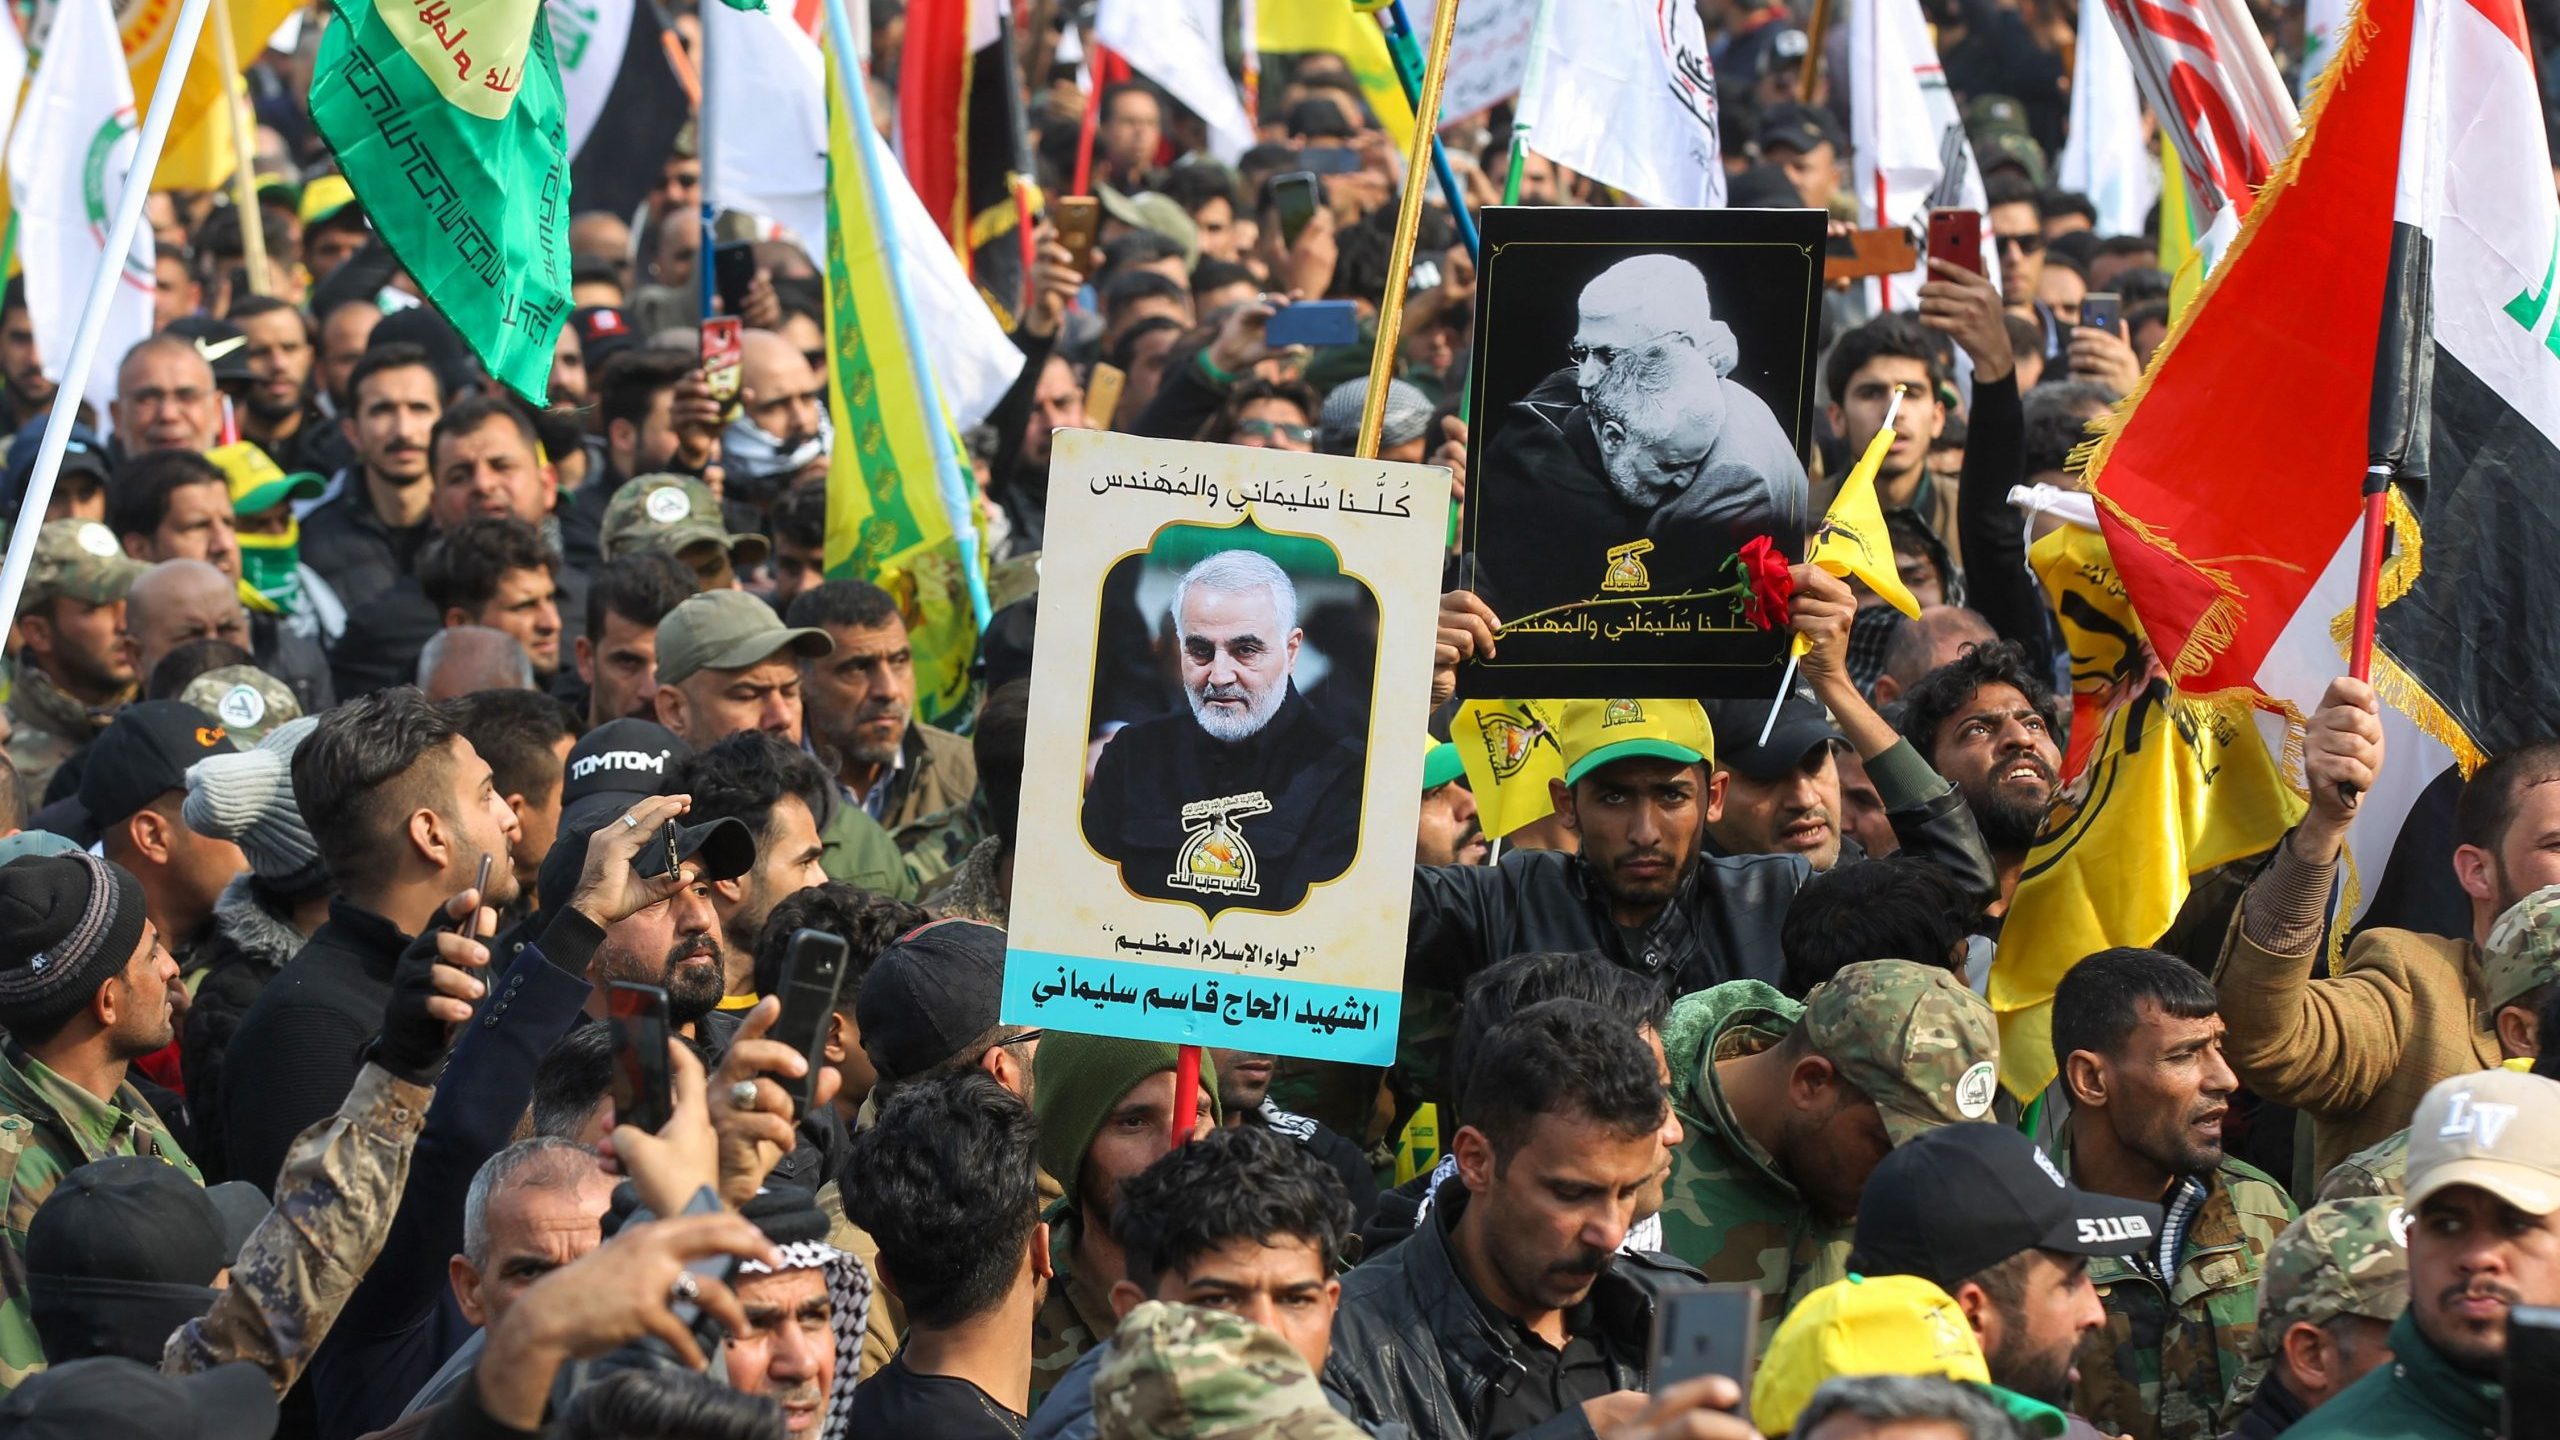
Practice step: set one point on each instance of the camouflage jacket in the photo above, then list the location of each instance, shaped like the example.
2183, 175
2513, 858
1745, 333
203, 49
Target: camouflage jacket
50, 1127
2378, 1169
974, 888
334, 1201
1727, 1210
48, 727
935, 845
2178, 1366
1077, 1315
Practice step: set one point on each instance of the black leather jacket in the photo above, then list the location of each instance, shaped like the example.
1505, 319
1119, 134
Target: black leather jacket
1412, 1347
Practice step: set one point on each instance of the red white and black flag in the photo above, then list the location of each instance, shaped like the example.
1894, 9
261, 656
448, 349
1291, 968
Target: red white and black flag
963, 138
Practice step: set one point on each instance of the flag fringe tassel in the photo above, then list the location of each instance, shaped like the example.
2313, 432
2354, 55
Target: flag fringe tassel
2398, 688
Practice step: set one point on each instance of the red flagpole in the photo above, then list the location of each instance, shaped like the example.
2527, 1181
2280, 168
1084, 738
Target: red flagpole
2377, 501
1092, 121
1186, 1096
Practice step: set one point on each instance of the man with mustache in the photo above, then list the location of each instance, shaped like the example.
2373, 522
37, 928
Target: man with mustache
2484, 1181
366, 536
1251, 797
1988, 724
1450, 832
915, 779
2139, 1044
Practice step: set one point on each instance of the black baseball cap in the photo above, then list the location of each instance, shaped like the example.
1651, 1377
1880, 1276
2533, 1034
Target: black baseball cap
725, 847
144, 755
1962, 1198
224, 346
130, 1217
938, 988
81, 455
83, 1399
1800, 128
629, 759
1802, 724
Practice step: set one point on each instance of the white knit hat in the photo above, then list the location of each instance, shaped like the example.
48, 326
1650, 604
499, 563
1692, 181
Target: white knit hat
247, 798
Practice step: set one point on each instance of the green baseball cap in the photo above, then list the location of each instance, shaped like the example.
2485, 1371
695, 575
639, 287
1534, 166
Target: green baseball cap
257, 482
728, 630
2342, 1257
247, 700
667, 513
2523, 949
1594, 733
1913, 1039
1440, 763
1993, 113
80, 559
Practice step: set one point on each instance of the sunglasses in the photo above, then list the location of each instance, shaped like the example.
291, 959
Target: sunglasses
1274, 430
2028, 244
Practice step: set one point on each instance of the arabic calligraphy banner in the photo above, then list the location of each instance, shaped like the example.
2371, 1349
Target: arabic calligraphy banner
1643, 393
1221, 783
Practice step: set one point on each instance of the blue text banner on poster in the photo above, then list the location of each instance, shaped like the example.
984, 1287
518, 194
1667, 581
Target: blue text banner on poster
1187, 1007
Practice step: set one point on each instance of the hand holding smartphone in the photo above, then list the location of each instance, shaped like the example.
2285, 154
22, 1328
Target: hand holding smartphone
812, 979
467, 925
1704, 1330
643, 1087
1295, 196
1955, 236
2101, 310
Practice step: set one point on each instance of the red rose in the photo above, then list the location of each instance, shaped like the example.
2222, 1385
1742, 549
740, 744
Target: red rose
1772, 582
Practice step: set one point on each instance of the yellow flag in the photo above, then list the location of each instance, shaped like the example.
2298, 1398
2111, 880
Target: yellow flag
199, 155
1293, 27
1510, 752
1852, 541
2180, 255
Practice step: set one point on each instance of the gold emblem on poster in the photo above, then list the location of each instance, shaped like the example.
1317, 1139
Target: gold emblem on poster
1217, 859
1626, 574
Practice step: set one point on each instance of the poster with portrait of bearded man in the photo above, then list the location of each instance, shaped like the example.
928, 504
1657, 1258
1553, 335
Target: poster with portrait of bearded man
1643, 394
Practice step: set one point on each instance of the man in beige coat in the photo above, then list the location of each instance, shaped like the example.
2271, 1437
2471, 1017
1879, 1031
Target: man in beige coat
2358, 1050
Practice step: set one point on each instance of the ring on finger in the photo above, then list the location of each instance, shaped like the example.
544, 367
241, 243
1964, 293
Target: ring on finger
685, 1290
742, 1096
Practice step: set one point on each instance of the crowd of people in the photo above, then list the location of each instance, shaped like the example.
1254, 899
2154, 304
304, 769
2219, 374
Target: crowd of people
366, 725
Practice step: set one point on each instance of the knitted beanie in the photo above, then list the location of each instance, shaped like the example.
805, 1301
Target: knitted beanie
247, 798
1076, 1080
67, 923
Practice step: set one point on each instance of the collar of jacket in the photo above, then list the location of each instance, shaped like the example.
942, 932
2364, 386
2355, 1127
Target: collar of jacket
1700, 1100
27, 1092
2434, 1381
1594, 897
353, 928
1480, 1344
2212, 1230
242, 917
52, 709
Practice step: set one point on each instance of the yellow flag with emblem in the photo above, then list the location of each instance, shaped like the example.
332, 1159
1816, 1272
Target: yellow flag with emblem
1852, 542
1510, 752
1338, 27
2172, 788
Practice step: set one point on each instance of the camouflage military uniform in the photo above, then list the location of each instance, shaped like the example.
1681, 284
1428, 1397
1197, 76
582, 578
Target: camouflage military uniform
2343, 1257
2377, 1169
334, 1201
77, 560
1908, 1036
936, 842
1179, 1371
48, 1128
2180, 1364
974, 888
1076, 1316
247, 700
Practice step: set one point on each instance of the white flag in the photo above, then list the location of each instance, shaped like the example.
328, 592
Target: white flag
1622, 91
2323, 21
1909, 148
1488, 54
2108, 158
1181, 45
588, 38
80, 107
974, 362
764, 84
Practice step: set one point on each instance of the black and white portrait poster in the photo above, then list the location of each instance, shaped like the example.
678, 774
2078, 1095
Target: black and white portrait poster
1643, 397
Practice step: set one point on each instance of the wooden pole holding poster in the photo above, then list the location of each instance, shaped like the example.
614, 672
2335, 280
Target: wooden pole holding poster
1816, 30
1426, 119
244, 155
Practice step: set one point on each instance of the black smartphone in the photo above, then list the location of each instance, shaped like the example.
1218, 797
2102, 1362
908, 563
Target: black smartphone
643, 1089
2100, 310
1704, 1330
2533, 1368
733, 269
480, 897
1329, 159
812, 978
1296, 196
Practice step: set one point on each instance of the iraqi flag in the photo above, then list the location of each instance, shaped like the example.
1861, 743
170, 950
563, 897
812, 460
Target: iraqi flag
963, 139
620, 90
2396, 278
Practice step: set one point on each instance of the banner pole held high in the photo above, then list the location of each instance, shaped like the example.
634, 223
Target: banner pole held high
93, 310
703, 270
1426, 120
244, 155
1186, 1091
1401, 44
1797, 646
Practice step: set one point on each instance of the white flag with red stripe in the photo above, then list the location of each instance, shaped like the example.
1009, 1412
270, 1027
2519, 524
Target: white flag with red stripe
2208, 76
1907, 145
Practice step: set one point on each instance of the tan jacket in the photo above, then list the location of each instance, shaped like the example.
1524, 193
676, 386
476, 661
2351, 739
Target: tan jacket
2359, 1049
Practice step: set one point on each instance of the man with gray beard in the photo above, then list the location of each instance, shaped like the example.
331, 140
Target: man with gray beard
1252, 796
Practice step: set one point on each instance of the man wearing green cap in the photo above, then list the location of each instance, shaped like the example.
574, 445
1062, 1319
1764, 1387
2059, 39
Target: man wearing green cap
727, 663
2335, 1280
263, 498
1104, 1107
1788, 1108
1450, 833
678, 515
74, 673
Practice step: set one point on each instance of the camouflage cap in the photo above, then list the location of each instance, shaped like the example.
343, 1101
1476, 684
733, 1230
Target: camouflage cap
2523, 949
666, 513
80, 559
2343, 1257
247, 700
1912, 1038
1181, 1372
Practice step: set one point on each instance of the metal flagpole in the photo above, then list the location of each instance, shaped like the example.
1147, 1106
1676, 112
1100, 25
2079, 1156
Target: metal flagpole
957, 494
93, 310
703, 270
1426, 120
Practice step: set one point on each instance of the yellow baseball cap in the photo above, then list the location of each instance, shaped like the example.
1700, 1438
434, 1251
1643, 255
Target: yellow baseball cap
1864, 1325
1594, 733
257, 482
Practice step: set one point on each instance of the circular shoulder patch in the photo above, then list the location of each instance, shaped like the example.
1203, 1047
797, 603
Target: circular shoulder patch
667, 505
98, 540
241, 706
1975, 1089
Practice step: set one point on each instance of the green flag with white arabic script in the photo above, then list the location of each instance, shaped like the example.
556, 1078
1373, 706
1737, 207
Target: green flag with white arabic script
446, 116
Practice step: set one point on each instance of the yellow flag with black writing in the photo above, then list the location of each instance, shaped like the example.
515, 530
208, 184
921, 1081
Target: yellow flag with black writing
1852, 542
1510, 752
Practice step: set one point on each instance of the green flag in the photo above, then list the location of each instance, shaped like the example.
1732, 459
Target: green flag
446, 116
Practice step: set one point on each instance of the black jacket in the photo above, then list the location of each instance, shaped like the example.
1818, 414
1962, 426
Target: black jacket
298, 1049
297, 660
347, 544
1411, 1345
2271, 1413
252, 939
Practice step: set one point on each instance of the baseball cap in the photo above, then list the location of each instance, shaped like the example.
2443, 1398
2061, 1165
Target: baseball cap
723, 849
2341, 1257
1875, 1325
728, 630
1802, 724
257, 482
110, 1395
2523, 950
611, 768
323, 196
1175, 1372
80, 559
1148, 210
81, 455
2012, 147
1440, 763
224, 346
666, 513
1995, 113
1801, 128
2497, 1130
1912, 1038
2014, 1198
134, 1218
603, 332
935, 990
1338, 424
1593, 733
144, 755
629, 759
248, 701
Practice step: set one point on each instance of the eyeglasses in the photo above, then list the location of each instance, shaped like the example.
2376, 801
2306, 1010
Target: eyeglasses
2029, 243
1274, 430
1607, 355
1024, 1037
